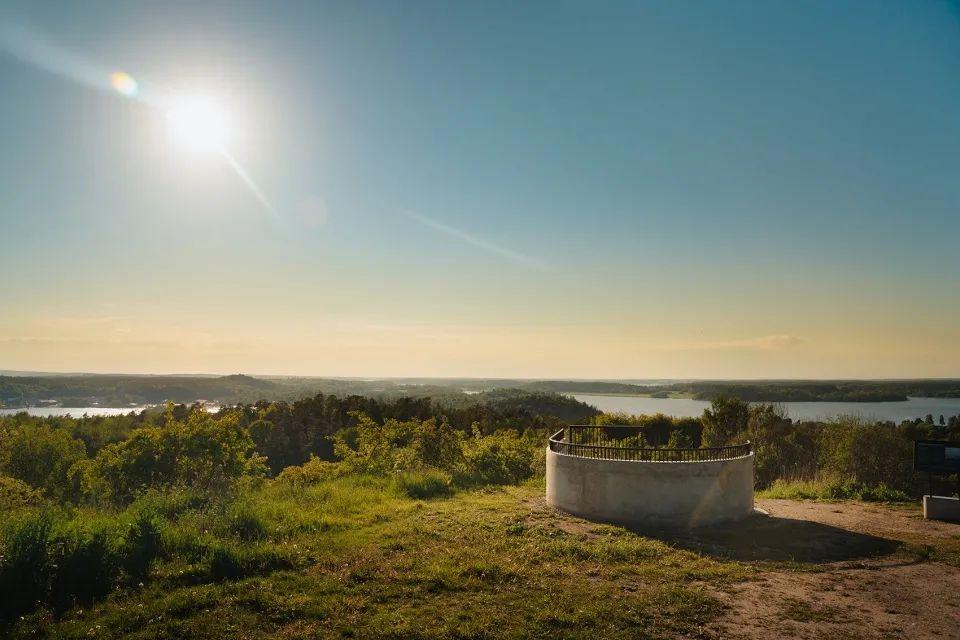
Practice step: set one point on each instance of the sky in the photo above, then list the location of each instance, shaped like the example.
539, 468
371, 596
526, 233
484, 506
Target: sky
484, 189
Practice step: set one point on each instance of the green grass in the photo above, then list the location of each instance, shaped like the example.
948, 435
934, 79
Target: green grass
832, 490
357, 557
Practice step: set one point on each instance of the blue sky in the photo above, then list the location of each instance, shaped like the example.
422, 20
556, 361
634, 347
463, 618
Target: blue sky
764, 189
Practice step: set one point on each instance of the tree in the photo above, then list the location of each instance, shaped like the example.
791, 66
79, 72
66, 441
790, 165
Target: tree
724, 421
40, 455
203, 452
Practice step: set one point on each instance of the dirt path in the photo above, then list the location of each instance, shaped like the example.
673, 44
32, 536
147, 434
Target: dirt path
864, 572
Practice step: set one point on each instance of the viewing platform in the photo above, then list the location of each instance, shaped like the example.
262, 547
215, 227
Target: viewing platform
595, 472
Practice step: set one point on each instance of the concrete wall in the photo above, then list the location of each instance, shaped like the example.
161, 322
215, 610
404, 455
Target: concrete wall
941, 508
671, 494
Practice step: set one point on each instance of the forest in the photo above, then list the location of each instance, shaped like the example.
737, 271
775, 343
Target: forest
133, 390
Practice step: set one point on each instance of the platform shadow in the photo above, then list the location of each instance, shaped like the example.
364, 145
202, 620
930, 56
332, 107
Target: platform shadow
766, 537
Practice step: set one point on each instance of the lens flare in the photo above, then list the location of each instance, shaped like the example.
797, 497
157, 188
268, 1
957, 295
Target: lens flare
124, 83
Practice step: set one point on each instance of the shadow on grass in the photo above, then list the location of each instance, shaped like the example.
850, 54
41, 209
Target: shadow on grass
763, 537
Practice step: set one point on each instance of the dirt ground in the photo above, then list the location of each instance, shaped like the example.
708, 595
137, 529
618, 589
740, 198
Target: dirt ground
852, 571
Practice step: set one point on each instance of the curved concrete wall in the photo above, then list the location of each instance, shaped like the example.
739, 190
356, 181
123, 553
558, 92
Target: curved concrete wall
672, 494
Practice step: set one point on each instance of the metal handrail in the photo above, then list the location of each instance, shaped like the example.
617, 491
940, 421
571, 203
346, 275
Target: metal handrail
589, 441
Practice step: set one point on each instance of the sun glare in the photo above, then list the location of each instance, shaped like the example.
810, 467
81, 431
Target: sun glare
199, 125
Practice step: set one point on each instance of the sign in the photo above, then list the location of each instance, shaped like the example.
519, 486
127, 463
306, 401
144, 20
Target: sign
936, 457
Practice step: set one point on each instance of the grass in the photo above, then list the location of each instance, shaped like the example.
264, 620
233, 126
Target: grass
825, 490
358, 557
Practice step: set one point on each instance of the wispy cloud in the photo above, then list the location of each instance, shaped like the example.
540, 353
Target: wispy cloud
478, 242
762, 343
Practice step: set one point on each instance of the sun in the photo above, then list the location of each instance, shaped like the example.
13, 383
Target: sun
199, 125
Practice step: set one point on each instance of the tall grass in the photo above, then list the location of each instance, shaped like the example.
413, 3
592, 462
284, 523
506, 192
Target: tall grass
833, 490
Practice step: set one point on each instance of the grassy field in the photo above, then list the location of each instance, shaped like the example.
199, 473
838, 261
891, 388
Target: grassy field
355, 557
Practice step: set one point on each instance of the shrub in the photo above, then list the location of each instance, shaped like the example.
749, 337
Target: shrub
84, 564
724, 421
310, 472
833, 490
852, 490
502, 458
400, 446
142, 544
204, 453
867, 454
16, 494
424, 484
25, 566
49, 558
40, 455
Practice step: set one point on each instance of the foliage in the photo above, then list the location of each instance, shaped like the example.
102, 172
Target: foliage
866, 453
60, 560
16, 494
832, 490
657, 430
781, 449
501, 458
204, 451
39, 455
726, 418
399, 446
310, 472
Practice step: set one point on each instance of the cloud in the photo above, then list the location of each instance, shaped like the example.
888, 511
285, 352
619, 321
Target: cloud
478, 242
763, 343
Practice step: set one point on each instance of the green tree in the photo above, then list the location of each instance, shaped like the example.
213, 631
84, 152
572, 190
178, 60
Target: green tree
39, 455
202, 452
725, 420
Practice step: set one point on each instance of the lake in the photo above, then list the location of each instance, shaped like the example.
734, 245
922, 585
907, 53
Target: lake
79, 411
686, 408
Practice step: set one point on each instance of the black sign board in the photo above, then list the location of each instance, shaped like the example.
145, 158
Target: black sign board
936, 457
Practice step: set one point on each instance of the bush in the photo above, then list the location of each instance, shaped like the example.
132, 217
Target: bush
867, 454
725, 420
203, 453
142, 544
852, 490
17, 494
310, 472
502, 458
833, 490
25, 566
40, 456
400, 446
84, 564
424, 484
49, 558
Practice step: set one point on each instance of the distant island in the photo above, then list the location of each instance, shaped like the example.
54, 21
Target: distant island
86, 390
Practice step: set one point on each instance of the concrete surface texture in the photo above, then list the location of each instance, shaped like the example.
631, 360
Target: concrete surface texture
668, 494
941, 508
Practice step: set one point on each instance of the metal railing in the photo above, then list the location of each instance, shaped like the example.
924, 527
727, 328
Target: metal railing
619, 442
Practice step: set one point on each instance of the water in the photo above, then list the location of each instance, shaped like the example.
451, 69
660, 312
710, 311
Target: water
686, 408
76, 412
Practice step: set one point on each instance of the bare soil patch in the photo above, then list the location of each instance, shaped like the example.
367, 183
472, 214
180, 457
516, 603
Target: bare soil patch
885, 585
